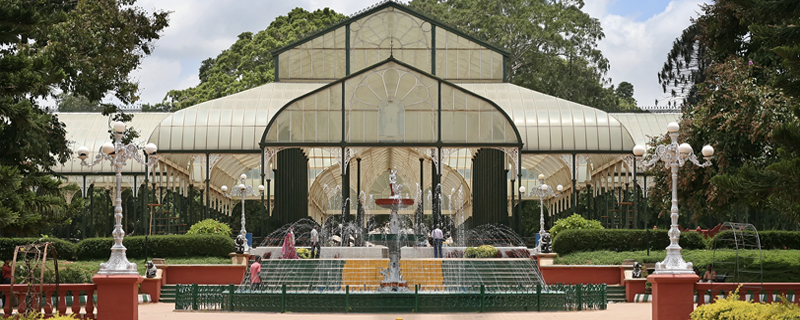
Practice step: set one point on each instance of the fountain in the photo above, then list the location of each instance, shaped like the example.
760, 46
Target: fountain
395, 238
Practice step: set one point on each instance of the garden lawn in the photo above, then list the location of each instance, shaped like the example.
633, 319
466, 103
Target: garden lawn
778, 265
82, 271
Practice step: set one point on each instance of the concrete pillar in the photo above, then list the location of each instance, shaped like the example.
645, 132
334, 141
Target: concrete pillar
117, 296
673, 295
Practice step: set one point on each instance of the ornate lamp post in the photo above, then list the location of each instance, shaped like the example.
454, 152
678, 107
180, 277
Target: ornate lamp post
674, 156
243, 190
119, 154
541, 191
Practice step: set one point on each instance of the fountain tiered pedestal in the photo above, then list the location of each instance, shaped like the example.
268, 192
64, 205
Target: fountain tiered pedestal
395, 239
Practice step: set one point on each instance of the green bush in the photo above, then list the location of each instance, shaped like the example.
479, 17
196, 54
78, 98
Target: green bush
210, 226
64, 249
619, 240
574, 222
484, 251
167, 246
769, 240
733, 308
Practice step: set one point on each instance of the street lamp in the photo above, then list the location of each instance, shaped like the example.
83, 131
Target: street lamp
541, 191
243, 190
118, 154
674, 155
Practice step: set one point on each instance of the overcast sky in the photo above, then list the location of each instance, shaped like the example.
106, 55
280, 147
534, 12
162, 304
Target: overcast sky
639, 34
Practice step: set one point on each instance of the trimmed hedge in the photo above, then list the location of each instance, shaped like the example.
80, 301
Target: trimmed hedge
769, 240
618, 240
165, 246
64, 249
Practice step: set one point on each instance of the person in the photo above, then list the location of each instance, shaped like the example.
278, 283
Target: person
7, 271
438, 237
315, 248
255, 274
288, 252
710, 274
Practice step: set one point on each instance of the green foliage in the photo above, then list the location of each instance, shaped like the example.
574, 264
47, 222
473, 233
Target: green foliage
167, 246
64, 249
731, 308
620, 240
778, 265
66, 102
574, 222
210, 226
303, 253
248, 63
769, 240
86, 48
484, 251
737, 69
73, 273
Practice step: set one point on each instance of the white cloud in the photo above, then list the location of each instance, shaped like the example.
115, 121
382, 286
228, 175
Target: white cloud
638, 49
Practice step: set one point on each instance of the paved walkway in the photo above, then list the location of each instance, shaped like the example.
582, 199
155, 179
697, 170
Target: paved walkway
615, 311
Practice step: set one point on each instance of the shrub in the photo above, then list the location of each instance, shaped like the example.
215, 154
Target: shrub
574, 222
619, 240
210, 226
484, 251
769, 240
65, 250
303, 253
733, 308
167, 246
518, 253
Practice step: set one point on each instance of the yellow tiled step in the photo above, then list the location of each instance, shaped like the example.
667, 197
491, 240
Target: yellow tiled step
364, 274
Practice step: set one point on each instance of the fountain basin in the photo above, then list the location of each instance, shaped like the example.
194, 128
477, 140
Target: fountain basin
393, 203
403, 239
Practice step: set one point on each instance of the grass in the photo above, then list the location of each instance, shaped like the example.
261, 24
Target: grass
778, 265
94, 265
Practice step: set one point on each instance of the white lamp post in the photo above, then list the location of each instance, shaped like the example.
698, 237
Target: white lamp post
541, 191
118, 154
674, 156
243, 190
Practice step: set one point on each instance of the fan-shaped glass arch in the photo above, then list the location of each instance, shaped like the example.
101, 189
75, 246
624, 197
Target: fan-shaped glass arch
391, 102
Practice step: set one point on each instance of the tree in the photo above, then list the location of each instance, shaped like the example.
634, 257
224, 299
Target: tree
71, 103
553, 44
248, 62
86, 48
774, 184
624, 93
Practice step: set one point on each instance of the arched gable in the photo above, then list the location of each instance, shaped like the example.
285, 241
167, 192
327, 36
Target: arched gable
389, 29
391, 102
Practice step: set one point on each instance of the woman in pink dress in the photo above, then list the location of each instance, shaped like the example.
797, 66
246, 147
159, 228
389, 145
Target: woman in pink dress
288, 252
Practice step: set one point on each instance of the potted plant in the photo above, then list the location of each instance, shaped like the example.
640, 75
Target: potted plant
648, 287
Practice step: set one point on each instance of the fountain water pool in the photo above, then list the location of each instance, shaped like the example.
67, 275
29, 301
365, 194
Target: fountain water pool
396, 259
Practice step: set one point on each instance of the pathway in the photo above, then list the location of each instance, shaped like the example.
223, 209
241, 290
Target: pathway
616, 311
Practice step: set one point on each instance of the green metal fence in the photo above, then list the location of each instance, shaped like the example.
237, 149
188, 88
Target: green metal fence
460, 299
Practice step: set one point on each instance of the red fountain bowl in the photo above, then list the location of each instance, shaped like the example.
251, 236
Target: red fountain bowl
389, 202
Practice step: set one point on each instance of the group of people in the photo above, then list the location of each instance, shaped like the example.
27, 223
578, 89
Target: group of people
288, 251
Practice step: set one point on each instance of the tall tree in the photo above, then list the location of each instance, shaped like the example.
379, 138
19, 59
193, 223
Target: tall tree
83, 47
774, 185
75, 103
248, 62
553, 44
734, 81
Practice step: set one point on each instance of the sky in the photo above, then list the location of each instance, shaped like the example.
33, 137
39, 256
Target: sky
638, 36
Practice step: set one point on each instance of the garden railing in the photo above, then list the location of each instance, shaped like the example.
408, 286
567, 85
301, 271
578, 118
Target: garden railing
459, 299
45, 299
